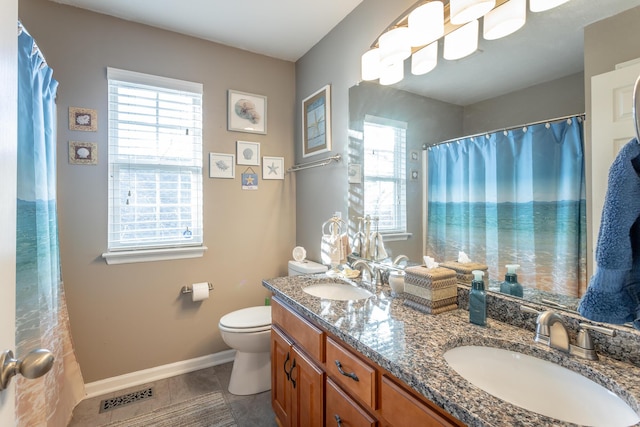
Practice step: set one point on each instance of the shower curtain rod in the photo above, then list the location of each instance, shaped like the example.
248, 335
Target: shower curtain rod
36, 49
557, 119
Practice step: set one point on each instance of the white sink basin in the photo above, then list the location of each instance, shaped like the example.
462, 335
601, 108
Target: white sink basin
337, 291
540, 386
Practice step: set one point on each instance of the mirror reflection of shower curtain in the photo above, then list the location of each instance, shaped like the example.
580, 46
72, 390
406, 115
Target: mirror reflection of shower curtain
513, 197
41, 312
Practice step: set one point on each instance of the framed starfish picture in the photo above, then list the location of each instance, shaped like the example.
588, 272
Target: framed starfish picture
272, 167
316, 122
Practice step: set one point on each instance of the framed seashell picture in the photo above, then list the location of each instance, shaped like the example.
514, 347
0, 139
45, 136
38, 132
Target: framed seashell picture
83, 153
248, 153
84, 119
247, 112
222, 165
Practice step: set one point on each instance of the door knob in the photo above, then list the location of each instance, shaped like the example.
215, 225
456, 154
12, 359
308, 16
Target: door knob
35, 364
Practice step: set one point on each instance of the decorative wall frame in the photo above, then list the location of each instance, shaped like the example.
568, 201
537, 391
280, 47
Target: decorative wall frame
222, 165
249, 179
247, 112
272, 167
248, 153
83, 153
84, 119
355, 173
316, 122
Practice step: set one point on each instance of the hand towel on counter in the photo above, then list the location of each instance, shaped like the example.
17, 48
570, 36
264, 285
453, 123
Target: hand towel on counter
613, 295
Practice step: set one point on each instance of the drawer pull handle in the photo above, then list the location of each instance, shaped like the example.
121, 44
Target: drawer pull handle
351, 375
293, 365
338, 420
285, 367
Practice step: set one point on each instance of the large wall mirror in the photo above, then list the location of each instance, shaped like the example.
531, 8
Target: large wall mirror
534, 75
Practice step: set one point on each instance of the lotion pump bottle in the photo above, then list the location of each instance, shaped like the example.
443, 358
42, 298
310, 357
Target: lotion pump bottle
478, 300
510, 286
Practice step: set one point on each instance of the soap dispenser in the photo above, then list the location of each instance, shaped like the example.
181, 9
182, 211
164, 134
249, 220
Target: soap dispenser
510, 286
478, 300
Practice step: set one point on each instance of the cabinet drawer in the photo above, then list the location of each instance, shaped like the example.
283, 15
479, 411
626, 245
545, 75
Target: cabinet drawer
306, 335
357, 377
341, 410
400, 408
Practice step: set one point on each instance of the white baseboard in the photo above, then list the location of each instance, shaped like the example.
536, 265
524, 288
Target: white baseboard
133, 379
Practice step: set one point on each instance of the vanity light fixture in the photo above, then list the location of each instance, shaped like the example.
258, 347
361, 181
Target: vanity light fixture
426, 23
505, 19
371, 65
392, 74
542, 5
395, 45
461, 42
425, 59
463, 11
419, 27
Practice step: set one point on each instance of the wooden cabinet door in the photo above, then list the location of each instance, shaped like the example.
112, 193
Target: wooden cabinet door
307, 380
342, 411
281, 361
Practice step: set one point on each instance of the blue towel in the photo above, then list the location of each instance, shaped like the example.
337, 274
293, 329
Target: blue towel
613, 295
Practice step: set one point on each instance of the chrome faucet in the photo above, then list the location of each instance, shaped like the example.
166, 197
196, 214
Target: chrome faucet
552, 331
365, 267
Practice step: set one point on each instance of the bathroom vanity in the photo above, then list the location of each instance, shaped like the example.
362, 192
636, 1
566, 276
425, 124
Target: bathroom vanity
376, 362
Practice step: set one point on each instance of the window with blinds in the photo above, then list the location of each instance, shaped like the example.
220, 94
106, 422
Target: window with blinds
155, 162
384, 173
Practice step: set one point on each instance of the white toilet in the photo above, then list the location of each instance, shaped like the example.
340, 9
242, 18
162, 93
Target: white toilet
248, 331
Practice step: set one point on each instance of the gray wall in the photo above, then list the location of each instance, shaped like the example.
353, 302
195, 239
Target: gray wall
557, 98
334, 60
126, 318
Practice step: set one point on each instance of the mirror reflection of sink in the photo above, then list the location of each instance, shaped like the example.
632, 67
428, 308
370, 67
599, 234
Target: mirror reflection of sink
540, 386
337, 291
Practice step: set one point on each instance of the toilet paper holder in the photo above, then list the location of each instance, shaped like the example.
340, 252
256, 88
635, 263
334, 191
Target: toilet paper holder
186, 289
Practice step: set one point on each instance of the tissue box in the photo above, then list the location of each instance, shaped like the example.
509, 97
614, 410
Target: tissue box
463, 270
431, 290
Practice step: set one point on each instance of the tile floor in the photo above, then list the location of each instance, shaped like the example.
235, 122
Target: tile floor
249, 411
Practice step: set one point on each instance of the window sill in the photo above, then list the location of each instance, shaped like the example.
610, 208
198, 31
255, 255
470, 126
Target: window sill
393, 237
148, 255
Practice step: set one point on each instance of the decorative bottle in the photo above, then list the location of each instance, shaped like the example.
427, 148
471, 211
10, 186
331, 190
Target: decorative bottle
478, 300
510, 286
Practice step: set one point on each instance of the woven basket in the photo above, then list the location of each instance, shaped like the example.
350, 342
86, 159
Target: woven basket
463, 270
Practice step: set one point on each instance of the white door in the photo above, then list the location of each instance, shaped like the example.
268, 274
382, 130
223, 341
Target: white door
8, 165
613, 125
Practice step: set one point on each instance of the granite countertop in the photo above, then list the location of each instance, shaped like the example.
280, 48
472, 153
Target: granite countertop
411, 345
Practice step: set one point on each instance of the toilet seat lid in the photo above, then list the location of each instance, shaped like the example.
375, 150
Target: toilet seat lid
252, 317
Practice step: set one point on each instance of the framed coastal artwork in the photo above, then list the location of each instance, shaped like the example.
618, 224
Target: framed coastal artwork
84, 119
272, 167
248, 153
83, 153
316, 122
222, 165
247, 112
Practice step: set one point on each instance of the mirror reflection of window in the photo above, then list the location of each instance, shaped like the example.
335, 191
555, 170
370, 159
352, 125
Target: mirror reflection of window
384, 173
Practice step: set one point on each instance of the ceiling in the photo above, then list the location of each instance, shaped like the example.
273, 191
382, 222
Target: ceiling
260, 26
548, 47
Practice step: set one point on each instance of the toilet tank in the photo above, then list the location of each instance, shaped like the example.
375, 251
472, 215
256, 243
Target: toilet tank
305, 267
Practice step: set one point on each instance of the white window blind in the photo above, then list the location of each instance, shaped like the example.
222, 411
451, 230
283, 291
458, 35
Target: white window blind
155, 162
385, 173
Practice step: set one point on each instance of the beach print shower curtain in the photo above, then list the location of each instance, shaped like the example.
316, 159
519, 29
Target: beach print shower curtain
513, 197
41, 312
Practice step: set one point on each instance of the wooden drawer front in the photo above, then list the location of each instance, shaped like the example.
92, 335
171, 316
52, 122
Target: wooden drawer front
307, 336
342, 411
400, 408
357, 377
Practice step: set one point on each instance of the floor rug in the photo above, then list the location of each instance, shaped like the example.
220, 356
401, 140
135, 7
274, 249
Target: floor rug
208, 410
